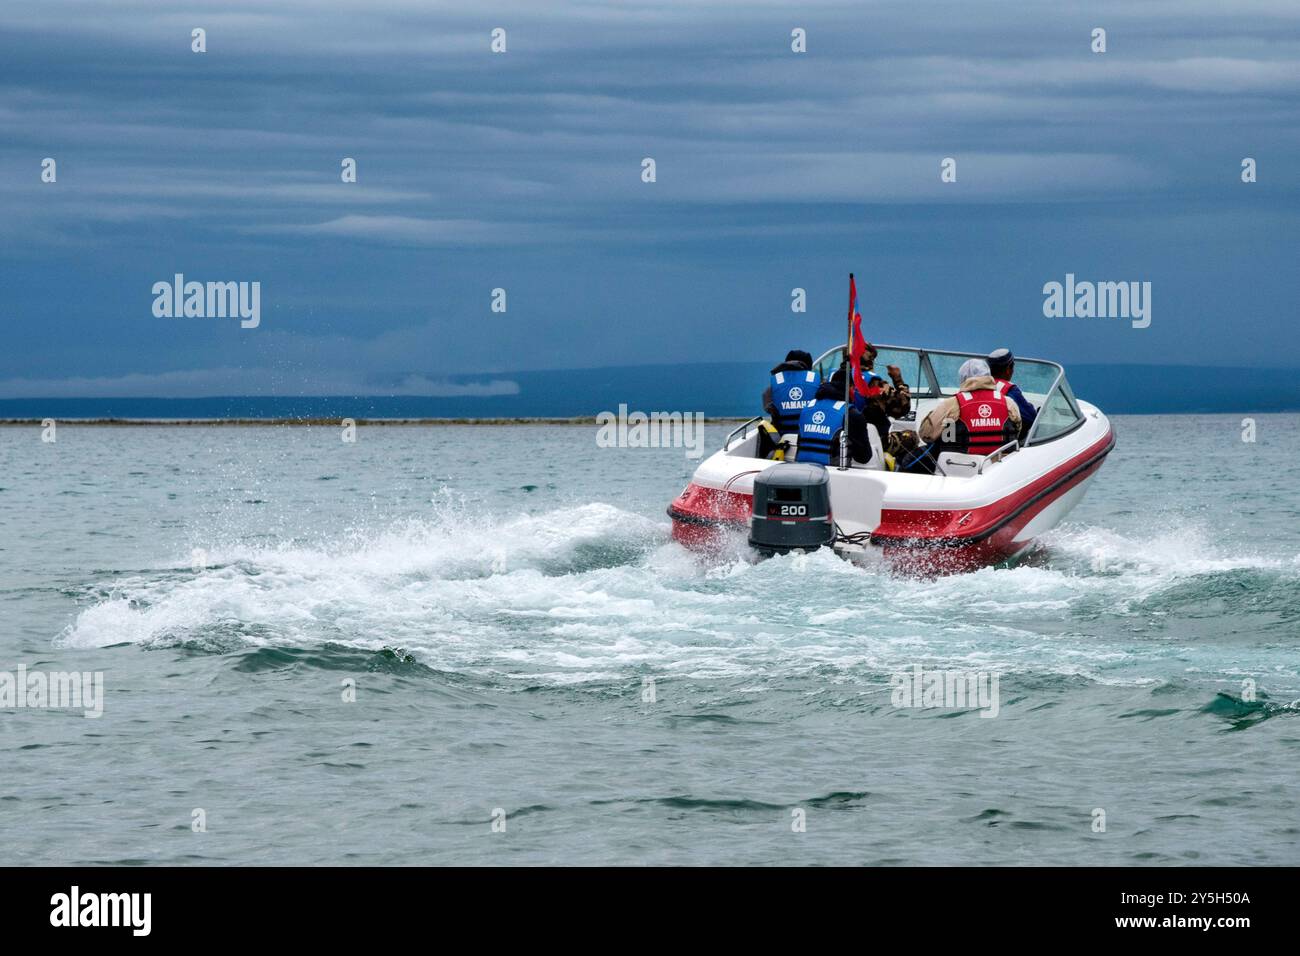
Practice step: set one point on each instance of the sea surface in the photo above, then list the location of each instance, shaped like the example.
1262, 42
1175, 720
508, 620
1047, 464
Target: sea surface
541, 676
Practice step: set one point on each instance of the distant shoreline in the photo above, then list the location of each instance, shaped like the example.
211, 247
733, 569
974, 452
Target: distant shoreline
500, 421
722, 391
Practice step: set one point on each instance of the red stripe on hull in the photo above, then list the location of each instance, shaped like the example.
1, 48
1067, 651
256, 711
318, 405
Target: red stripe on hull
701, 514
954, 555
947, 541
937, 526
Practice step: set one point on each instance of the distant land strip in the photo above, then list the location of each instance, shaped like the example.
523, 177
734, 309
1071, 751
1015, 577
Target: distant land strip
722, 391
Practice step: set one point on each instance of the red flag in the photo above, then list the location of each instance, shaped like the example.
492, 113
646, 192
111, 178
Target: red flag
858, 346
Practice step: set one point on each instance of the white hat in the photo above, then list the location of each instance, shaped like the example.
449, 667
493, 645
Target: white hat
972, 368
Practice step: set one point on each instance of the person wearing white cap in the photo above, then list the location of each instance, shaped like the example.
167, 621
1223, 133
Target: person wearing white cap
980, 407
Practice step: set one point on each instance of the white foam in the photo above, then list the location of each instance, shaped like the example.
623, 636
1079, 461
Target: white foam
594, 592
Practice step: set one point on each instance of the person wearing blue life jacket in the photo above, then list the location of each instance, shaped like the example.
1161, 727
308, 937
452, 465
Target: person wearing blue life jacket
791, 389
792, 386
1002, 365
821, 424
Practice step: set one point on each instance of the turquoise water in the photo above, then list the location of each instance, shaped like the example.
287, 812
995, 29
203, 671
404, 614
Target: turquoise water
504, 598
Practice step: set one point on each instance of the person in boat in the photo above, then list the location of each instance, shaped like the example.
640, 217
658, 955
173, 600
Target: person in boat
872, 409
902, 447
792, 388
979, 419
881, 400
821, 423
872, 403
1002, 365
893, 397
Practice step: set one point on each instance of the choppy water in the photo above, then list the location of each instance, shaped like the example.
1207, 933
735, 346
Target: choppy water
501, 597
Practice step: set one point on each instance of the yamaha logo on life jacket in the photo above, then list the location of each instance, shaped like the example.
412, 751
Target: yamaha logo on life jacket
985, 415
985, 418
817, 428
792, 392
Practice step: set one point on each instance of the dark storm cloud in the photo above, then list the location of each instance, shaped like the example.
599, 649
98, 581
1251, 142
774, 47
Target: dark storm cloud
522, 170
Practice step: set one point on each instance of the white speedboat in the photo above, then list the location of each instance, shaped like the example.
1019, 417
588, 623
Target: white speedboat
974, 511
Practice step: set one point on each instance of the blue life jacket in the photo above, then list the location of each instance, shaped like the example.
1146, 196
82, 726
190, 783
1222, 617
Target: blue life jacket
818, 426
792, 392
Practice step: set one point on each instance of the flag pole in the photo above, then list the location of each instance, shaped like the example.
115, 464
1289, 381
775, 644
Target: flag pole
848, 380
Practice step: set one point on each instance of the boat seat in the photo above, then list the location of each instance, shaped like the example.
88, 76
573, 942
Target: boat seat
955, 464
877, 462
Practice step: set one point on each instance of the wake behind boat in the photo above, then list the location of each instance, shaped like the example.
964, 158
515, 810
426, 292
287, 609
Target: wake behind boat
975, 510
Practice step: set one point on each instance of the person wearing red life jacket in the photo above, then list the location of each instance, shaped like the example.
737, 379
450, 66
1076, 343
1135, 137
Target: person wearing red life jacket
981, 418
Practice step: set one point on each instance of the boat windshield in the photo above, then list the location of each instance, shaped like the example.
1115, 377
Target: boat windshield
932, 374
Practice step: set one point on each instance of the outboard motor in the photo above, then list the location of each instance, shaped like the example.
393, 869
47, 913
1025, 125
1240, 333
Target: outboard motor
792, 509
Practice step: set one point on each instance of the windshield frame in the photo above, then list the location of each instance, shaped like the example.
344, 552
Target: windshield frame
934, 390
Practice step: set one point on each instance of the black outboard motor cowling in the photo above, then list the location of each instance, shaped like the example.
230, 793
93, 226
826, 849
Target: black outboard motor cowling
792, 509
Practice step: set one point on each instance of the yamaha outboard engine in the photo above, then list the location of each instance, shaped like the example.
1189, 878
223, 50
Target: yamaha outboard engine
792, 509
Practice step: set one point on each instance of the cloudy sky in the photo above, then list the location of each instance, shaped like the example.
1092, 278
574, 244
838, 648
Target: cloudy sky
522, 170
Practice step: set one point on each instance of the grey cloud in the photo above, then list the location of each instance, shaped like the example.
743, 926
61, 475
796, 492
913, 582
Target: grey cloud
411, 229
461, 140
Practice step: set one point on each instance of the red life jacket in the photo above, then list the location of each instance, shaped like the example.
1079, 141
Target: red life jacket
985, 415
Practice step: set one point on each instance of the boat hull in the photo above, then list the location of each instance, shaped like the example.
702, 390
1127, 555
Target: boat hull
918, 524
